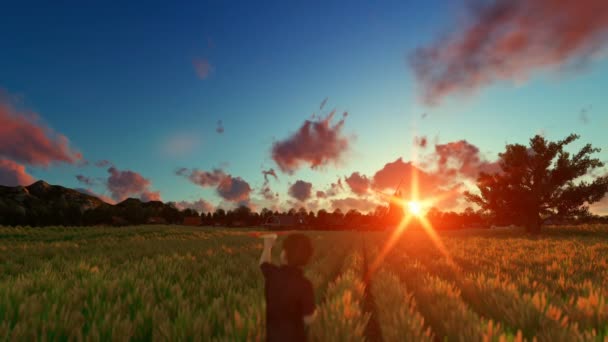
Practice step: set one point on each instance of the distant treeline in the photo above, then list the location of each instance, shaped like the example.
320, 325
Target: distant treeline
135, 212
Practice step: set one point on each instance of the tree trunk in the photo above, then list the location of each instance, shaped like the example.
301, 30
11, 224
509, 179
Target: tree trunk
534, 223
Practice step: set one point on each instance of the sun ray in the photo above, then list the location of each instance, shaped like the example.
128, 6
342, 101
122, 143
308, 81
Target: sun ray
389, 244
430, 230
416, 207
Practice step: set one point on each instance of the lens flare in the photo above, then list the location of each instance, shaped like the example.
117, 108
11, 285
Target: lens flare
415, 208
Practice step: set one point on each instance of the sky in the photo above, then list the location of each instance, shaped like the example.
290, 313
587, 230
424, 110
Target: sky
192, 103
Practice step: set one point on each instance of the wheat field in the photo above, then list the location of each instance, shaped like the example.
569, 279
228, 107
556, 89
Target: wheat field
171, 283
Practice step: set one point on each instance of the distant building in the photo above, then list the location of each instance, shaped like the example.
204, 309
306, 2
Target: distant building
192, 221
284, 221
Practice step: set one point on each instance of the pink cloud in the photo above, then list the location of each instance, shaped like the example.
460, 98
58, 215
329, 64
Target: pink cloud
232, 189
301, 190
13, 174
148, 196
124, 184
359, 184
462, 158
25, 139
202, 67
201, 206
203, 178
316, 143
509, 39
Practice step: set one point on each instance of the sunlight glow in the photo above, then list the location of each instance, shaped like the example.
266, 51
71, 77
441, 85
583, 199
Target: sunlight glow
415, 208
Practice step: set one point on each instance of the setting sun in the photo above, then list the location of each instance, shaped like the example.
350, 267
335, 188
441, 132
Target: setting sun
414, 208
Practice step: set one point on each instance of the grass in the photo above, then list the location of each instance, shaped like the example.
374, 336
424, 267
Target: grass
199, 284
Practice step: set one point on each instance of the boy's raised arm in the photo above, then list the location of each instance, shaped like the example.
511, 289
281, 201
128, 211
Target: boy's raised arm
267, 251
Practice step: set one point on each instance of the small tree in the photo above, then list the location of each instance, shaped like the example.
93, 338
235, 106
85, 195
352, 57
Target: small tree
540, 182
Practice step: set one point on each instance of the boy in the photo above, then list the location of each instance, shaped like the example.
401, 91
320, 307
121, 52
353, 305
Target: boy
290, 302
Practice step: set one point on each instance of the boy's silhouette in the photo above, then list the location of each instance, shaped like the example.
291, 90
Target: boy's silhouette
290, 303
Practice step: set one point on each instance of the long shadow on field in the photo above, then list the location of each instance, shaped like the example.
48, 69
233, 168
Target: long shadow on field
372, 330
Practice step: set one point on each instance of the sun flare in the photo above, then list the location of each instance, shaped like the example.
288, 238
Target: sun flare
414, 207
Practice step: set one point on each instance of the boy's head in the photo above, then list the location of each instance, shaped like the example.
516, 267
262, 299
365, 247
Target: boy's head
297, 250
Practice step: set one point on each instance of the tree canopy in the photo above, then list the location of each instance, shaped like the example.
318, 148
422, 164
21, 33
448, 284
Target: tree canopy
540, 181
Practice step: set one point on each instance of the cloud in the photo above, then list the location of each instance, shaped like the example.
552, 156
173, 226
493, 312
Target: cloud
180, 144
509, 39
220, 127
462, 158
268, 194
323, 103
403, 175
301, 190
233, 189
148, 196
103, 163
397, 173
321, 194
601, 207
201, 206
85, 180
269, 172
363, 205
359, 184
124, 184
202, 67
266, 191
316, 143
203, 178
335, 188
13, 174
24, 139
420, 142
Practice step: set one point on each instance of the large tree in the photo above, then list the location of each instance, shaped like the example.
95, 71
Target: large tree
539, 182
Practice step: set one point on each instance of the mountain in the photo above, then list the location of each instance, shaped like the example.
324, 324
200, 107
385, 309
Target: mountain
41, 204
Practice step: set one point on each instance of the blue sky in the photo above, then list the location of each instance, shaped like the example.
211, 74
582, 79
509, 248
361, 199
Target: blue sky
119, 81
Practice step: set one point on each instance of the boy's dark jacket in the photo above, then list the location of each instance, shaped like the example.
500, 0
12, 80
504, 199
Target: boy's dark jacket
289, 297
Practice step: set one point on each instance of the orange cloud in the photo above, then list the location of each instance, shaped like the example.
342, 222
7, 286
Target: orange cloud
359, 184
